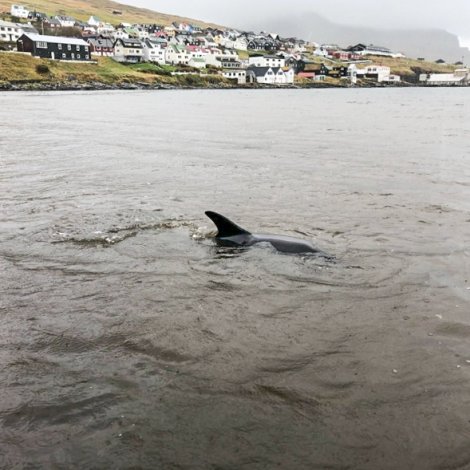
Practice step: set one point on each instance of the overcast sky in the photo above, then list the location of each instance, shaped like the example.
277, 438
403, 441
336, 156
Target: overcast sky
451, 15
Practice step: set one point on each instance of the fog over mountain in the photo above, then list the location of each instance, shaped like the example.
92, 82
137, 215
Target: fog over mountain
431, 44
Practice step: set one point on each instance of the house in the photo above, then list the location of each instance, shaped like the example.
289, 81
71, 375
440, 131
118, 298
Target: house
306, 75
37, 16
267, 61
322, 70
218, 58
229, 63
238, 75
65, 21
261, 44
197, 62
119, 34
240, 43
11, 32
362, 49
142, 33
459, 77
177, 55
105, 29
102, 46
352, 73
54, 47
270, 75
132, 32
19, 11
52, 23
320, 52
154, 50
94, 21
170, 30
341, 55
381, 73
330, 49
128, 50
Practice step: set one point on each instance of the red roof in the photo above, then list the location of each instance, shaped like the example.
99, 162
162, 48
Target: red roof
306, 74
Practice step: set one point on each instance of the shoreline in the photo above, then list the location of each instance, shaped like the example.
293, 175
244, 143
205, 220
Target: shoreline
99, 86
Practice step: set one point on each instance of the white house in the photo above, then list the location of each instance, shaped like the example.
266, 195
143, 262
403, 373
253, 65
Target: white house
237, 74
370, 49
320, 52
197, 62
11, 32
177, 55
94, 21
267, 61
270, 75
218, 58
352, 73
240, 43
119, 34
65, 21
19, 11
459, 77
128, 50
106, 29
380, 72
142, 34
154, 51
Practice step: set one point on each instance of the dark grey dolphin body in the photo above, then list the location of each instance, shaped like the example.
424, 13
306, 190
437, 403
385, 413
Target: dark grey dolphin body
230, 234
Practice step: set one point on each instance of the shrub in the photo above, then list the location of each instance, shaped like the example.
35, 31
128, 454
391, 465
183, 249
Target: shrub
42, 69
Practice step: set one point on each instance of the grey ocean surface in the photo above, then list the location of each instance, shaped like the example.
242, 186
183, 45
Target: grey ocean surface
129, 340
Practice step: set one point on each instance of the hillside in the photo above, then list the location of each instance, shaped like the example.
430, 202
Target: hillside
103, 9
27, 72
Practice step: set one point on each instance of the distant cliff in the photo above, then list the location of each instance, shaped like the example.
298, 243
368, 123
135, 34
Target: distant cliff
432, 44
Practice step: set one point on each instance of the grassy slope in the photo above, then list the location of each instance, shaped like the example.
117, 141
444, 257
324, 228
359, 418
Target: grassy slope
408, 67
103, 9
23, 68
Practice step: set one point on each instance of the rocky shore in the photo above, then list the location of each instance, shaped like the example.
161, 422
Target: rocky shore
40, 85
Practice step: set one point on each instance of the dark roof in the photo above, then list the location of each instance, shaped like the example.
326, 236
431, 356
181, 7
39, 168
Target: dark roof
100, 42
262, 71
131, 42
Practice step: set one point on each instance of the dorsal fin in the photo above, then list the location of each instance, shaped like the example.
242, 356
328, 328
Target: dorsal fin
225, 227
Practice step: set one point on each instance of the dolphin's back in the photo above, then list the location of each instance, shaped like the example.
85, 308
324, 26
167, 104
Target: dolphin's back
287, 244
230, 234
226, 228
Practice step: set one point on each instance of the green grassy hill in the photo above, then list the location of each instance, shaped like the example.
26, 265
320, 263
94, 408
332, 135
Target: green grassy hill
103, 9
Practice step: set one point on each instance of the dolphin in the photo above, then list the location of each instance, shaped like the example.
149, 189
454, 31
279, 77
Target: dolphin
230, 234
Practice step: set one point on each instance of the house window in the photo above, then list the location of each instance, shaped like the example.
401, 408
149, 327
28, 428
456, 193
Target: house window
69, 47
78, 56
87, 56
78, 47
41, 44
59, 46
63, 55
72, 55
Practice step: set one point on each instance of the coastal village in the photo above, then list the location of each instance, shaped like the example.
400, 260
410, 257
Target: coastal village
240, 57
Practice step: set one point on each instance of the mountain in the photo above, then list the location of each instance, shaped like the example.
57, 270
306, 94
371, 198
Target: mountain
105, 10
431, 44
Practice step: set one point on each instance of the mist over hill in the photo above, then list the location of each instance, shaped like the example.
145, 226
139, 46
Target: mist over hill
431, 44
